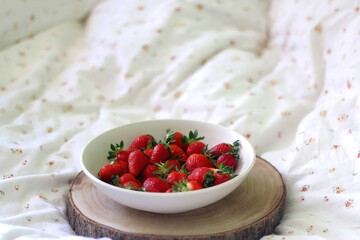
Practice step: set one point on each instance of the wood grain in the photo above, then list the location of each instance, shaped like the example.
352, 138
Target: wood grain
253, 210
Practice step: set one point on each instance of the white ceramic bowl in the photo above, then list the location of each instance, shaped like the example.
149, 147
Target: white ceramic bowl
95, 152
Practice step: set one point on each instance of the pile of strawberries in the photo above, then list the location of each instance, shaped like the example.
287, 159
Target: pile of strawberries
175, 164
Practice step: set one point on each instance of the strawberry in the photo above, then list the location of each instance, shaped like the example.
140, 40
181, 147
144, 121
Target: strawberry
174, 164
117, 152
123, 164
193, 137
222, 174
195, 147
148, 152
219, 149
154, 184
163, 169
223, 148
127, 180
142, 142
176, 152
186, 185
132, 185
176, 176
122, 156
160, 153
180, 139
221, 178
126, 177
227, 160
198, 160
149, 171
175, 138
137, 162
107, 172
203, 175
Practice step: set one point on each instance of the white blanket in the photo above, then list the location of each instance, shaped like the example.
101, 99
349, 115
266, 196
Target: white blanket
285, 74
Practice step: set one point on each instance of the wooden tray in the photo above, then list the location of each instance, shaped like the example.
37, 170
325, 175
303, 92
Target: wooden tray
253, 210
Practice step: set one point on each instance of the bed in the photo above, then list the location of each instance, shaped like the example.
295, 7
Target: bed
285, 74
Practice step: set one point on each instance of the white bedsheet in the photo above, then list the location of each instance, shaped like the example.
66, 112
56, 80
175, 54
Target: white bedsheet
285, 74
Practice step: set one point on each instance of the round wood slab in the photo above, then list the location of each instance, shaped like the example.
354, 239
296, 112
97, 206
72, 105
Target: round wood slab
253, 210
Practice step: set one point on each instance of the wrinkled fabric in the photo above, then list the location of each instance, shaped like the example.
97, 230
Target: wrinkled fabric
285, 74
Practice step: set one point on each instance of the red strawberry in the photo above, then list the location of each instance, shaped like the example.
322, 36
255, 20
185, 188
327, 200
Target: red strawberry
160, 154
186, 185
142, 142
173, 164
220, 148
124, 165
203, 175
198, 160
223, 148
117, 152
221, 178
122, 156
137, 162
163, 169
193, 137
180, 139
148, 152
149, 171
177, 153
154, 184
195, 147
126, 177
227, 160
132, 185
175, 138
176, 176
107, 172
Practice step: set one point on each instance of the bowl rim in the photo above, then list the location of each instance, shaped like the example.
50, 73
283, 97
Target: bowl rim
244, 173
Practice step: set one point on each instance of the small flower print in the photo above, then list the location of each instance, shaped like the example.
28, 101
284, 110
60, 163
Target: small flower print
335, 146
325, 199
349, 203
323, 113
310, 228
349, 85
332, 170
343, 117
42, 196
338, 189
16, 150
285, 114
8, 176
304, 188
309, 141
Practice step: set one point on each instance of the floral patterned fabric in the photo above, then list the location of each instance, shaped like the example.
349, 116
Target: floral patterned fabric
285, 74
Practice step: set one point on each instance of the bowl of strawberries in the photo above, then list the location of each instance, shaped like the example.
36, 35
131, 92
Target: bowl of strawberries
168, 165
